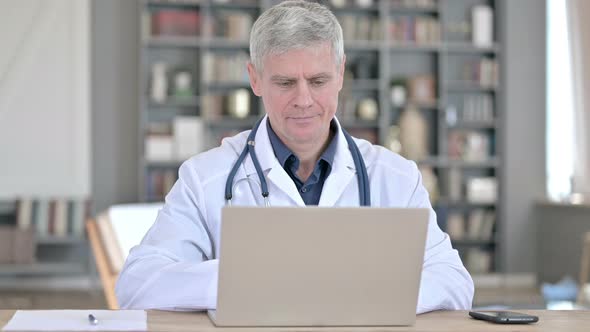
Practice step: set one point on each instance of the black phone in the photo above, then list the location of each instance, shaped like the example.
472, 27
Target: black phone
504, 317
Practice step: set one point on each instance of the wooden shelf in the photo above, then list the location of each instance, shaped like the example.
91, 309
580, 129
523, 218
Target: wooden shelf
440, 58
468, 87
426, 10
227, 85
224, 43
396, 46
435, 105
174, 41
361, 45
250, 6
474, 125
472, 243
464, 47
60, 240
370, 84
7, 207
162, 163
195, 42
175, 102
355, 9
187, 4
461, 204
446, 162
229, 122
41, 268
360, 124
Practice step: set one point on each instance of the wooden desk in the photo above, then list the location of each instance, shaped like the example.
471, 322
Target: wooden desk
447, 321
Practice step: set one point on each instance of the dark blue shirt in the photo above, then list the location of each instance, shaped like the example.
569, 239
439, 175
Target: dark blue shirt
311, 190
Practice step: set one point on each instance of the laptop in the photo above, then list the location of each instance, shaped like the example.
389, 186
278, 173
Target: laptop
316, 266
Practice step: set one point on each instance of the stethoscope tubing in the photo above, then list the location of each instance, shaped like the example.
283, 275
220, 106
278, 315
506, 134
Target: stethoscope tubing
359, 164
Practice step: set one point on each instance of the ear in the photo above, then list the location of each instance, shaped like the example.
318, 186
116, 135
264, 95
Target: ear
254, 79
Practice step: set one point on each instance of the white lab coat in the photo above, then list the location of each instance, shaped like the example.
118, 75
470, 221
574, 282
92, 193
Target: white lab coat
175, 267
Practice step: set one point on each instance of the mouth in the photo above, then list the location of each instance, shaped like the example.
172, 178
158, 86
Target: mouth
302, 117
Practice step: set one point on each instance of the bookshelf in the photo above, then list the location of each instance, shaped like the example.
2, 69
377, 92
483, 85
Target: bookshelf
450, 81
54, 254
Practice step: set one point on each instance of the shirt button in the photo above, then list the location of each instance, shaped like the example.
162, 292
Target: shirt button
303, 190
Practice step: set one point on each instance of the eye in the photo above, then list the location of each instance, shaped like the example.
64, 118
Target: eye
318, 83
285, 84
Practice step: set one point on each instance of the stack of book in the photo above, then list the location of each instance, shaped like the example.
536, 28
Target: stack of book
177, 142
360, 27
478, 261
234, 104
469, 145
59, 217
159, 183
232, 25
413, 3
478, 108
484, 72
478, 226
219, 67
175, 22
414, 30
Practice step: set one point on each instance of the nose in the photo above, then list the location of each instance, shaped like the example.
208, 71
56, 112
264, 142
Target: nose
303, 98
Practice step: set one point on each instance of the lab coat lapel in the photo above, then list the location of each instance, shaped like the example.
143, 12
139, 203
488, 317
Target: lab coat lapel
282, 189
343, 171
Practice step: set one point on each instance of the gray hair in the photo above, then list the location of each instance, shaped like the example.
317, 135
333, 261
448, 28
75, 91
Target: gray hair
292, 25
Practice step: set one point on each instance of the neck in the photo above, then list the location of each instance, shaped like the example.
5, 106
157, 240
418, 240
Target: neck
309, 153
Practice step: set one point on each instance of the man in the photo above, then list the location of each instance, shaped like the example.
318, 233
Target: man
297, 66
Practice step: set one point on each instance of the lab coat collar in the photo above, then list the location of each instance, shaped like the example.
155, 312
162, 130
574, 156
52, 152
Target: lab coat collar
343, 169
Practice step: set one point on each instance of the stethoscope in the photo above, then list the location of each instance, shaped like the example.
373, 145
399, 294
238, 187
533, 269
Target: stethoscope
363, 178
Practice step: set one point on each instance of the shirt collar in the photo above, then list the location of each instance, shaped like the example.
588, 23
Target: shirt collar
282, 152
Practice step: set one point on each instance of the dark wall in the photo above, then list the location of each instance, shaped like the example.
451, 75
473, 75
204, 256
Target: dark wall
114, 36
523, 34
559, 242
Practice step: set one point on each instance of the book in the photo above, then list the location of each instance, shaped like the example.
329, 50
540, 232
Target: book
483, 190
6, 238
61, 218
487, 228
24, 213
475, 224
478, 260
189, 136
175, 22
169, 180
455, 226
78, 217
42, 218
422, 89
159, 148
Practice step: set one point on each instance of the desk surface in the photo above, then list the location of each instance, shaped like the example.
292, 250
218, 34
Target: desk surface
448, 321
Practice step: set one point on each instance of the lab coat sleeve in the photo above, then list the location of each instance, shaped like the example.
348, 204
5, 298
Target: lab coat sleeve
445, 283
172, 268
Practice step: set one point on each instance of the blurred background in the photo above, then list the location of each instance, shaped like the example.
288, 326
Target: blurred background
101, 101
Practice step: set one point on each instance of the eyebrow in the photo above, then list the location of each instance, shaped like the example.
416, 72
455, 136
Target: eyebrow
276, 78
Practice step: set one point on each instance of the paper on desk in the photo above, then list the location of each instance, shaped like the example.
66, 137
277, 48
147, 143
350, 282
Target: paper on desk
77, 320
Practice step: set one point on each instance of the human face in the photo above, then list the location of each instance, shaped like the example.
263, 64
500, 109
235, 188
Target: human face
299, 89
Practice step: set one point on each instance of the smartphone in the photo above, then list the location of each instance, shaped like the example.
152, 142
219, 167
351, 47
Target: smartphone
504, 317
